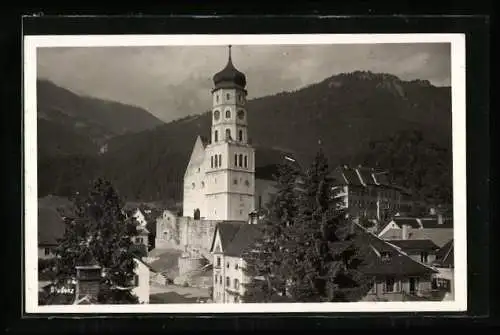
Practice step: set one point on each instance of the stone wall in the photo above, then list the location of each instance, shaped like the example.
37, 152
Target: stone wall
184, 233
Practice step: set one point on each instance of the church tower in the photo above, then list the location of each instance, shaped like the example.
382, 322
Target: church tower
230, 168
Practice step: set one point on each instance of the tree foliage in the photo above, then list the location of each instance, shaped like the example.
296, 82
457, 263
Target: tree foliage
265, 258
309, 251
99, 233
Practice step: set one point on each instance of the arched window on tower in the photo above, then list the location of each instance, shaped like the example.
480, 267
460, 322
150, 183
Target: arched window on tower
212, 162
246, 161
220, 160
228, 114
217, 98
240, 135
228, 134
235, 159
216, 136
216, 164
240, 160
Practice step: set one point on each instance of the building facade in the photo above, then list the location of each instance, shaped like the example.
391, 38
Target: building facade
219, 183
367, 193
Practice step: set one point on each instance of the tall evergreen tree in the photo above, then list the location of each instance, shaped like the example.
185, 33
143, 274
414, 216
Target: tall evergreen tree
265, 259
322, 247
99, 233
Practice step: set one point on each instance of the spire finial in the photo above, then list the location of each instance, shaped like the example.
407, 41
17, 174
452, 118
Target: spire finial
229, 47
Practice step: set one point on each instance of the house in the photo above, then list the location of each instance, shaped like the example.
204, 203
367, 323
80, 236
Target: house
50, 229
437, 229
141, 285
396, 275
444, 263
422, 250
229, 242
367, 193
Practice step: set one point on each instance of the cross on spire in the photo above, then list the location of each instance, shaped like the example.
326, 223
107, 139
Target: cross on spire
229, 48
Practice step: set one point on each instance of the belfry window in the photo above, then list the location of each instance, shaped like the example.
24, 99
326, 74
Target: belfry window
220, 160
217, 98
235, 159
228, 96
228, 134
240, 160
216, 164
240, 135
216, 136
212, 162
228, 114
246, 161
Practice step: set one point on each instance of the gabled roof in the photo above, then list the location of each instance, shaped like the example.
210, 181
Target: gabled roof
50, 226
415, 245
445, 255
235, 237
398, 263
423, 223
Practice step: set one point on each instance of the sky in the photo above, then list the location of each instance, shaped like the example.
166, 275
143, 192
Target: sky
175, 81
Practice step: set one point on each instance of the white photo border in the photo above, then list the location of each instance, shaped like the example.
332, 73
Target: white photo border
458, 76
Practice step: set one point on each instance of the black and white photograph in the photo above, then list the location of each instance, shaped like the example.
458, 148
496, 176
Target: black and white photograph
245, 173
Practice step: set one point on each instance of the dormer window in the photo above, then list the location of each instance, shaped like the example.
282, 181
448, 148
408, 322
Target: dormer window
385, 256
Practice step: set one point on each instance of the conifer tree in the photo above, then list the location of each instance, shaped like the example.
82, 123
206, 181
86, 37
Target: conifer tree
323, 252
99, 233
265, 258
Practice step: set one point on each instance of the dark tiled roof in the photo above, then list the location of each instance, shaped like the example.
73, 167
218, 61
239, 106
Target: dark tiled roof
351, 176
430, 223
398, 264
415, 245
412, 222
236, 236
50, 226
426, 223
445, 255
367, 176
244, 238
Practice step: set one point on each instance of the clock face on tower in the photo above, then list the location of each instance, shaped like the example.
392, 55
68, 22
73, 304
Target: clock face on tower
241, 114
216, 115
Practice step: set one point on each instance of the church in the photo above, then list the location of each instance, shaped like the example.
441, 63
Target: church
227, 179
219, 183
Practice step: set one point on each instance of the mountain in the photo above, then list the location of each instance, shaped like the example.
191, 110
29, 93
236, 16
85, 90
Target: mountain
345, 114
93, 118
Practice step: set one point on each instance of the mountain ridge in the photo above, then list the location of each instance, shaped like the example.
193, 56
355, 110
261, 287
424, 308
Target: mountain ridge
96, 118
347, 113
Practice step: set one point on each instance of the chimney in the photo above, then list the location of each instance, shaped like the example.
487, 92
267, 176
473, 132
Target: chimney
440, 219
405, 232
88, 279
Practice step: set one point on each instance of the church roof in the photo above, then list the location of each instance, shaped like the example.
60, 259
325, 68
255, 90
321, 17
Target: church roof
229, 76
267, 160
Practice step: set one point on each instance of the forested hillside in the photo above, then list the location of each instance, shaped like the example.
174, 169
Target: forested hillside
359, 118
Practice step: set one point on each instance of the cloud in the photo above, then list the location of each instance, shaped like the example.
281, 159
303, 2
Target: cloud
173, 81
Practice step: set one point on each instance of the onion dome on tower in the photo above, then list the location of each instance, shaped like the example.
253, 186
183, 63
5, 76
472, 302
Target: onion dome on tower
229, 77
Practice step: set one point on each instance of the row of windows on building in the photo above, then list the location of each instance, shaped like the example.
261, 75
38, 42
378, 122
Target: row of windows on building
216, 161
391, 285
373, 203
228, 97
240, 114
374, 192
240, 160
228, 135
235, 283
